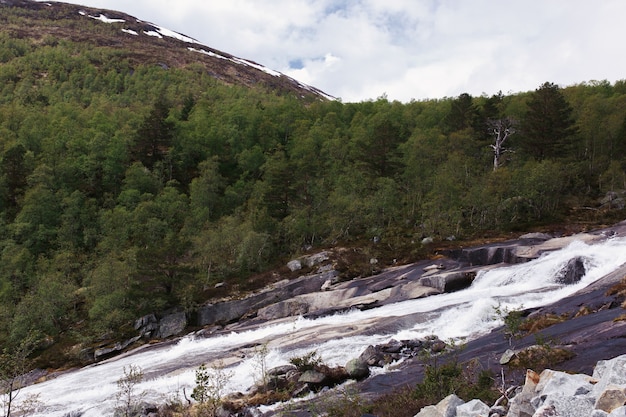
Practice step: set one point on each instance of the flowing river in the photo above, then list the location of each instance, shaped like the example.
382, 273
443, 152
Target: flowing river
466, 314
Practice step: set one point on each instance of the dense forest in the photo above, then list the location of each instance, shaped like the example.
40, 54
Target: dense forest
128, 188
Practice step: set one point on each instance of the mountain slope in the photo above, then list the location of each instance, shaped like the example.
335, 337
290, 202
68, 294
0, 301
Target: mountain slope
144, 42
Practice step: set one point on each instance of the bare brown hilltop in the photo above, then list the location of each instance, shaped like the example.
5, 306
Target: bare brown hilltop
140, 42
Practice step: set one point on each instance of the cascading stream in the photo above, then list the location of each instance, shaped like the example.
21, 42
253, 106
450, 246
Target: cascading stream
466, 314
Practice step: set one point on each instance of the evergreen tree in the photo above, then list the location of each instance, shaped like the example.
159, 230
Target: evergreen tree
548, 127
154, 136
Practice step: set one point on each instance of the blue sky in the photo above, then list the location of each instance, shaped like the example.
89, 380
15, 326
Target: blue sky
406, 49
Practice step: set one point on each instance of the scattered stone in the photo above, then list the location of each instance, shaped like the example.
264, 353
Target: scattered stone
507, 356
316, 259
294, 265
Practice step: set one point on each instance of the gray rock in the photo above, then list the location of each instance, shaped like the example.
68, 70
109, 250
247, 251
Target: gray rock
372, 356
448, 406
294, 265
172, 325
560, 405
449, 281
105, 352
609, 372
572, 272
497, 411
473, 408
147, 325
230, 311
357, 369
316, 259
429, 411
561, 383
618, 412
535, 236
507, 356
312, 377
282, 309
281, 370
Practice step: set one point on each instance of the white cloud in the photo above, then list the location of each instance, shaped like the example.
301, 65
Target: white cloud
360, 49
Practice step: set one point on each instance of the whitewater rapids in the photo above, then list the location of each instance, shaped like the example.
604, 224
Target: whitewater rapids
169, 368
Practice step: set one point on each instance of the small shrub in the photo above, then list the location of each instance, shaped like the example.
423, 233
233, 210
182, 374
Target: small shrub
512, 321
400, 403
126, 385
210, 384
260, 366
466, 380
348, 403
306, 362
535, 324
540, 357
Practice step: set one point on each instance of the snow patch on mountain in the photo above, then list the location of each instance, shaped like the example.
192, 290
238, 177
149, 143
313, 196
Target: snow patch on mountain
239, 61
176, 35
157, 31
102, 18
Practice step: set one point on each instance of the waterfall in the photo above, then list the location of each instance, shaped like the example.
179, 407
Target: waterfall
466, 314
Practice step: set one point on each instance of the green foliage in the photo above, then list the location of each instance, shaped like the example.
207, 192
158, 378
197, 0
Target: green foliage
466, 380
306, 362
512, 319
126, 188
548, 128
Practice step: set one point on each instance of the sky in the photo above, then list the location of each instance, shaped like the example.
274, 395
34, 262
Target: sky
358, 50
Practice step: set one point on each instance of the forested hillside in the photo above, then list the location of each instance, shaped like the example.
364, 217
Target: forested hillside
128, 187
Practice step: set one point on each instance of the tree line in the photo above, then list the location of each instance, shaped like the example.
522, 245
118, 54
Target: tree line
127, 189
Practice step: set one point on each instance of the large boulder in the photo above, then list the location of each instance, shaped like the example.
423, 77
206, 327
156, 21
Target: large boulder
449, 281
357, 369
312, 377
444, 408
172, 325
147, 325
572, 272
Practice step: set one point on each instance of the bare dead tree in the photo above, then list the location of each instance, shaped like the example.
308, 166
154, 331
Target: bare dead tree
501, 130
